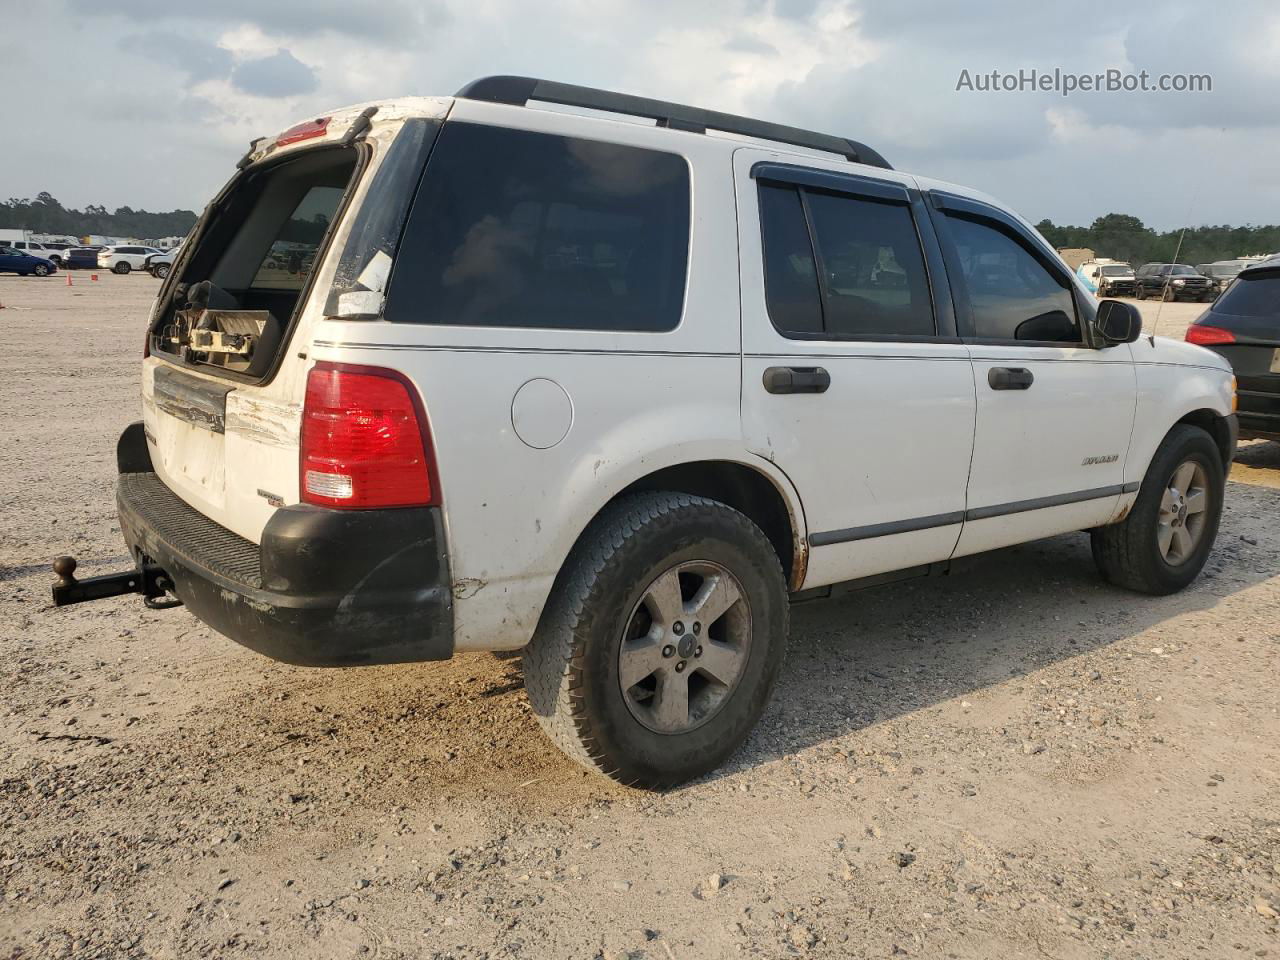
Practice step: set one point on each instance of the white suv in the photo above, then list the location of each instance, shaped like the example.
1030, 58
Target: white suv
471, 373
122, 259
54, 253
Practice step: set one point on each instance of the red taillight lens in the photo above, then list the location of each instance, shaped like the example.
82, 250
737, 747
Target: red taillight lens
364, 440
303, 131
1206, 336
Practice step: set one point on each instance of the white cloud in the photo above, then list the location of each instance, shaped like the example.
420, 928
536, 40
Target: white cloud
881, 73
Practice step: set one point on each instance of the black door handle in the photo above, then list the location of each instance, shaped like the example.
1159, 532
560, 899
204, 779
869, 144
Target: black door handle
796, 380
1010, 378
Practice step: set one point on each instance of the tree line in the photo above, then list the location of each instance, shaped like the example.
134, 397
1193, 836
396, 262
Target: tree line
1120, 236
45, 214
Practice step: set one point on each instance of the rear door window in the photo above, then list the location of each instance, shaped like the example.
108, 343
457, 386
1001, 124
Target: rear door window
840, 267
519, 229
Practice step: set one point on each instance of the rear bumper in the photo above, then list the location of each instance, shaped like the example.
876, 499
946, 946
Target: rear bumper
324, 588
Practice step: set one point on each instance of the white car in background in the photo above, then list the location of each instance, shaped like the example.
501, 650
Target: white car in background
122, 259
160, 264
54, 253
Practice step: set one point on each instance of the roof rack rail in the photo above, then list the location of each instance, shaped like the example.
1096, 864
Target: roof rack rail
518, 91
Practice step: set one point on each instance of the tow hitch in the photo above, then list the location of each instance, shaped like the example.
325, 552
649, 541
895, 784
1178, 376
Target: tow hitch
148, 580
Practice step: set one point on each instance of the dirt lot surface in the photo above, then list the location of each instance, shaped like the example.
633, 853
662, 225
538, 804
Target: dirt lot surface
1014, 761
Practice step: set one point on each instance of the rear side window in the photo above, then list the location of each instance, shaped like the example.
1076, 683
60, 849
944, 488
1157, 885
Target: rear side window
1011, 293
841, 267
292, 253
1257, 296
519, 229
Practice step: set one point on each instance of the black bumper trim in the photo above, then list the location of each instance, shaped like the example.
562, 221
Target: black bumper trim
329, 588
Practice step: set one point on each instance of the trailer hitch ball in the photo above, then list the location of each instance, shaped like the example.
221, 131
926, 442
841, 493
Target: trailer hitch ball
65, 568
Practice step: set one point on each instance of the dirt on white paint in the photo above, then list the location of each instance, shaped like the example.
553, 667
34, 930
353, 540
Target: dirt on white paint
1012, 761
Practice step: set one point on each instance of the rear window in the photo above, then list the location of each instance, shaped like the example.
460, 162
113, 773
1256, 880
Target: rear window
1257, 296
518, 229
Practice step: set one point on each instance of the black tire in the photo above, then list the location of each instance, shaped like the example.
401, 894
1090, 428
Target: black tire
121, 268
1128, 553
571, 667
160, 271
40, 270
1140, 293
1168, 295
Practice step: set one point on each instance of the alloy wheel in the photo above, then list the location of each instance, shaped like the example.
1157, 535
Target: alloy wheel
1181, 521
684, 647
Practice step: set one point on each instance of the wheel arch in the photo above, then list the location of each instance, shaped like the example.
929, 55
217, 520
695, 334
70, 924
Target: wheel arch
1217, 426
750, 491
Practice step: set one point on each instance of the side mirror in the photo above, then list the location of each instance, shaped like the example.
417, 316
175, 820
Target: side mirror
1117, 322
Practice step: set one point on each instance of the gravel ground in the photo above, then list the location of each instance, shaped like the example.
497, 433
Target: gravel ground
1013, 761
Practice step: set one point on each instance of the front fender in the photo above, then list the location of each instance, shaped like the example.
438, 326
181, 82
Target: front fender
1174, 380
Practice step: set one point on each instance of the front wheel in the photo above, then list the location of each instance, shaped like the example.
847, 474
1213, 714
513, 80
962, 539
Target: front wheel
40, 270
160, 271
661, 641
121, 268
1140, 293
1162, 545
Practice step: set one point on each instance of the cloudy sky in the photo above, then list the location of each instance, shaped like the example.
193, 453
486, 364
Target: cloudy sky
149, 103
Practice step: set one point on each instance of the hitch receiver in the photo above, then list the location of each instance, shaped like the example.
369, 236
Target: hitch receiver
148, 580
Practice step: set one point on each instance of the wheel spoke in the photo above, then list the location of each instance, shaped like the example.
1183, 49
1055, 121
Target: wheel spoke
671, 709
1183, 476
1166, 503
1197, 501
1164, 538
640, 658
720, 661
664, 599
1182, 542
714, 598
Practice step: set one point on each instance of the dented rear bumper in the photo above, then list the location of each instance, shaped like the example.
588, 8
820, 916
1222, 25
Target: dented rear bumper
324, 588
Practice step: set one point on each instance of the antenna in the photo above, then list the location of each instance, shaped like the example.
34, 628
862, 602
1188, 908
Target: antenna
1177, 251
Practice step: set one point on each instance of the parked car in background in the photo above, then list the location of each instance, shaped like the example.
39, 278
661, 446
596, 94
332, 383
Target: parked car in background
80, 258
672, 412
24, 264
1173, 281
1222, 272
1108, 278
125, 258
1244, 327
44, 251
160, 264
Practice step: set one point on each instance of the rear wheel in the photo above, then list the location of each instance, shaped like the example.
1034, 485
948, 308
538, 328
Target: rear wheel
121, 268
1162, 545
661, 641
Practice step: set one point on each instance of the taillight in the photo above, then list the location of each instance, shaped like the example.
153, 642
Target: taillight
1206, 335
306, 130
365, 441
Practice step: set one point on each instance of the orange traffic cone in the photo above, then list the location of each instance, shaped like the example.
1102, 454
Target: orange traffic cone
93, 277
68, 279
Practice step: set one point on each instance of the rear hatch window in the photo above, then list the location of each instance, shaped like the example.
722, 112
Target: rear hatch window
253, 261
1255, 295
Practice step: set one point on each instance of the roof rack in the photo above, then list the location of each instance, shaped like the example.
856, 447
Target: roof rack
518, 91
